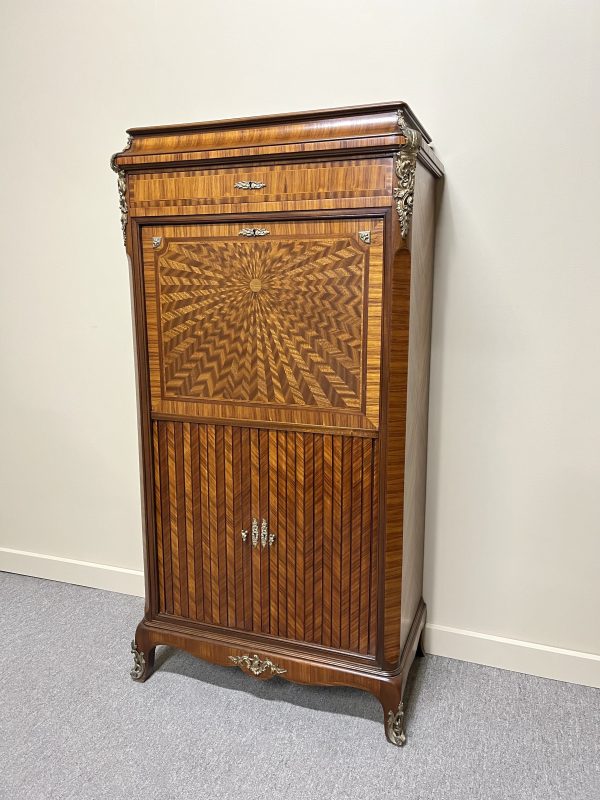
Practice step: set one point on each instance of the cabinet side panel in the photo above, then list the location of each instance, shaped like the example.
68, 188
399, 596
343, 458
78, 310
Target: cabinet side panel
392, 451
422, 246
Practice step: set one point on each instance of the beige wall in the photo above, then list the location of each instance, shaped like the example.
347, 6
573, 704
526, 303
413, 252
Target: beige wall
509, 92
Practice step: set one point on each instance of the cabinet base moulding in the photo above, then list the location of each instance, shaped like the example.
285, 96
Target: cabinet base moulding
285, 662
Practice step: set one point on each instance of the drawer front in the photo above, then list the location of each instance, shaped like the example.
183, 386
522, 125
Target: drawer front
210, 191
307, 571
275, 322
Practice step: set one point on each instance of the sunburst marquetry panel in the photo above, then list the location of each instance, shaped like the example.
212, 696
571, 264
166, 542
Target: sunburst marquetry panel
272, 321
284, 326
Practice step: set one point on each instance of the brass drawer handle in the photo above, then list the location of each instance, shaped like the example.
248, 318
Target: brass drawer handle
254, 232
249, 185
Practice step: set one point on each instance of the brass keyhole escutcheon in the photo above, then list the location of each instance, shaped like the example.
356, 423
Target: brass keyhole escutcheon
255, 285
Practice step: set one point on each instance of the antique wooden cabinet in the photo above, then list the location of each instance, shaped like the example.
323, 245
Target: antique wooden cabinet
282, 278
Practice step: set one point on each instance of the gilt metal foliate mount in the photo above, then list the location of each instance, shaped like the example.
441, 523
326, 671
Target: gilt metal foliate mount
256, 665
113, 166
406, 165
122, 186
139, 662
395, 726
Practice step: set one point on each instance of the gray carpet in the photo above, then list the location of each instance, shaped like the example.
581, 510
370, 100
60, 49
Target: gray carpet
74, 725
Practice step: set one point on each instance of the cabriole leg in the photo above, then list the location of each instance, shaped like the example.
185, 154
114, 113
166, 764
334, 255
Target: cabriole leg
390, 697
394, 725
143, 658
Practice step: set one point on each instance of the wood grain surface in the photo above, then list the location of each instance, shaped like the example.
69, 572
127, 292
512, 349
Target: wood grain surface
421, 298
316, 495
359, 130
286, 187
281, 327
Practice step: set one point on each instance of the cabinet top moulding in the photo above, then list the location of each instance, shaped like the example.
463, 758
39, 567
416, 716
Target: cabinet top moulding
340, 132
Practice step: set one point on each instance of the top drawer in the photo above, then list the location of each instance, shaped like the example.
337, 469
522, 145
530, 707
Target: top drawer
353, 184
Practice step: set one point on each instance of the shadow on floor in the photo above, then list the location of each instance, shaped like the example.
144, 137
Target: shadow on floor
334, 700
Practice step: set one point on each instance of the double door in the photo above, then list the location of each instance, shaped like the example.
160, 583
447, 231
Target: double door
268, 531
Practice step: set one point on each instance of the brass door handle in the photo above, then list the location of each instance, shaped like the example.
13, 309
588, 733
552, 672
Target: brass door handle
266, 538
263, 535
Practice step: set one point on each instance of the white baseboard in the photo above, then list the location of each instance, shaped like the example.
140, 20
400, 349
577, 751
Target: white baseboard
69, 570
572, 666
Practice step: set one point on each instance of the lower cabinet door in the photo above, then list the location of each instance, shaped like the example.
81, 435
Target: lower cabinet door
267, 531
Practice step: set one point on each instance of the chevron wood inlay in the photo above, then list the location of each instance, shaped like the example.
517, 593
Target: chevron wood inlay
316, 583
273, 325
270, 322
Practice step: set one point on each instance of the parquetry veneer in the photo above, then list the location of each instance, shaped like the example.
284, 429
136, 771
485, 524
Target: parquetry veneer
282, 278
